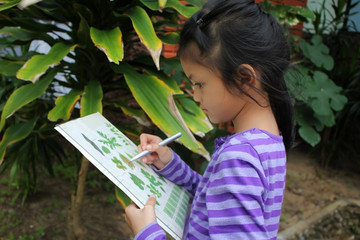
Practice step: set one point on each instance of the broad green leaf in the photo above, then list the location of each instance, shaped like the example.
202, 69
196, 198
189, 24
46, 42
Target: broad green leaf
25, 95
9, 4
309, 135
327, 120
169, 81
162, 3
138, 114
145, 30
304, 12
186, 11
110, 42
193, 116
64, 106
38, 64
317, 52
91, 99
14, 134
197, 3
83, 32
10, 67
151, 4
156, 99
18, 33
327, 94
25, 3
170, 38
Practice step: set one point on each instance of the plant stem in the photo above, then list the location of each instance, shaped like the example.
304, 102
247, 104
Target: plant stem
75, 228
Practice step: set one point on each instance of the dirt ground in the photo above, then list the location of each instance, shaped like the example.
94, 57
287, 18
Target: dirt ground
43, 216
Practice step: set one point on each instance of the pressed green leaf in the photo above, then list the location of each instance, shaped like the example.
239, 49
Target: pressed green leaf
122, 197
145, 30
110, 42
25, 95
10, 67
64, 106
91, 99
186, 11
14, 134
38, 64
9, 4
156, 99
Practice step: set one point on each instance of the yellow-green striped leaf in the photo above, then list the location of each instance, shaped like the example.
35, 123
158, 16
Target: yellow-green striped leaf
152, 4
14, 134
10, 67
194, 117
8, 4
38, 64
170, 82
145, 30
110, 42
156, 99
91, 99
25, 95
186, 11
138, 114
162, 3
64, 106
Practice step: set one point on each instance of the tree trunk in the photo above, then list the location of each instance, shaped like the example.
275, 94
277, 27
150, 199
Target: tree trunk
76, 231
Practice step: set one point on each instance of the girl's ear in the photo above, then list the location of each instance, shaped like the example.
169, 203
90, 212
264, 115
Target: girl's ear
248, 75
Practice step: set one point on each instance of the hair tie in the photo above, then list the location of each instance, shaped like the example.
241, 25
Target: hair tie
200, 21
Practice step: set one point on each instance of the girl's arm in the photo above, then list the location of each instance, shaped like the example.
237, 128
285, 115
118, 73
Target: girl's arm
178, 172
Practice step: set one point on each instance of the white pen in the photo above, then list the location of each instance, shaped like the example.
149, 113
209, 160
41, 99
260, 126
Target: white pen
162, 143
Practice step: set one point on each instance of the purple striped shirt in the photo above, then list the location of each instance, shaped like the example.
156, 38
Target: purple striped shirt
240, 194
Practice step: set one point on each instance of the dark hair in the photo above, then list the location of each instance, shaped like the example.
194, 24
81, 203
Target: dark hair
230, 33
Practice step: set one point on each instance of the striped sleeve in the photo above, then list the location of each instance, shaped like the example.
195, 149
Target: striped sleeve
234, 196
178, 172
151, 232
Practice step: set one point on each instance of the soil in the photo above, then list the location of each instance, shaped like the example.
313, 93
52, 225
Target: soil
44, 214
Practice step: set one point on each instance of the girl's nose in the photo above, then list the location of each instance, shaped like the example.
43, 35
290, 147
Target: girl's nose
196, 96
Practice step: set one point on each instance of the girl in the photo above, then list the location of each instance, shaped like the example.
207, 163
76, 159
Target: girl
235, 55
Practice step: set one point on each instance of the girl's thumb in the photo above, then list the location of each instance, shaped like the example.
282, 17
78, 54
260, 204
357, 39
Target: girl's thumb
151, 201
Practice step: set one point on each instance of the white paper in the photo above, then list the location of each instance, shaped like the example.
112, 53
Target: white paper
110, 151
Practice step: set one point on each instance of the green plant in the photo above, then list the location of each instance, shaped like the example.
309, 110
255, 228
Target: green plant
317, 97
102, 56
339, 143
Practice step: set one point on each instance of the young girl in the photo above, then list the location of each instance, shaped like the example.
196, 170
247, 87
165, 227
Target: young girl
235, 55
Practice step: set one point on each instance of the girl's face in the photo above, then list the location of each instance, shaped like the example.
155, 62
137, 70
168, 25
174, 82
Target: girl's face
209, 90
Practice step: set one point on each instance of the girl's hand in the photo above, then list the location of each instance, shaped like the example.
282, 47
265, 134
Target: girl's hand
160, 156
138, 218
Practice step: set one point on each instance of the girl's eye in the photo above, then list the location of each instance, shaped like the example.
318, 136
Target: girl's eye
199, 84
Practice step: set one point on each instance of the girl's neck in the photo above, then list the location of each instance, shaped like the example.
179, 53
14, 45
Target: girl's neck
254, 116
